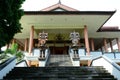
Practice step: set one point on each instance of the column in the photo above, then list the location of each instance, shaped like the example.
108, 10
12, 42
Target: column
30, 44
13, 40
105, 44
86, 40
26, 44
101, 49
31, 39
92, 44
118, 43
111, 46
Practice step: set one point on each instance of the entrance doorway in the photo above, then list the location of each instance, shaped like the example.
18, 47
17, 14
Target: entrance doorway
59, 50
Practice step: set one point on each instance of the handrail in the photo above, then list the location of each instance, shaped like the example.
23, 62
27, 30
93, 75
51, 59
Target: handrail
21, 62
98, 51
108, 60
4, 64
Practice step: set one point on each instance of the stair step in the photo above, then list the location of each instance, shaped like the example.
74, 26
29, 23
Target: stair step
58, 73
60, 60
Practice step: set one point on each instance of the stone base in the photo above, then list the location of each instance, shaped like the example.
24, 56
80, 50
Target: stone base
76, 59
34, 63
41, 59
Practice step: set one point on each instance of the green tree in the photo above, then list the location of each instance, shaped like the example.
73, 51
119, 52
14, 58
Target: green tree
10, 14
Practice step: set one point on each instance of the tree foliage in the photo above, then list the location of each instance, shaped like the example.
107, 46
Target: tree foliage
10, 14
14, 52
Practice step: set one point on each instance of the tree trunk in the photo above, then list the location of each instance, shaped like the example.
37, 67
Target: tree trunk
0, 50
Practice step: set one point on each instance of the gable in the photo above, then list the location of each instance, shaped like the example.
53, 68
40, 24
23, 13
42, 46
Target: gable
58, 7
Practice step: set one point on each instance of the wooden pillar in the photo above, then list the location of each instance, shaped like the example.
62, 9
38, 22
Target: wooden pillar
13, 40
31, 39
92, 44
31, 43
86, 40
26, 44
105, 45
118, 43
111, 46
87, 43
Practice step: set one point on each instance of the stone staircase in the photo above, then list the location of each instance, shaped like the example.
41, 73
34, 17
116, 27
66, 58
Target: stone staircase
59, 60
59, 73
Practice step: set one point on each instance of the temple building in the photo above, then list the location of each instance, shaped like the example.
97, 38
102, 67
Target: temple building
58, 40
61, 20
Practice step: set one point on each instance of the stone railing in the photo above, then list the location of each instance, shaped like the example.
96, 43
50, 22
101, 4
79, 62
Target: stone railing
7, 66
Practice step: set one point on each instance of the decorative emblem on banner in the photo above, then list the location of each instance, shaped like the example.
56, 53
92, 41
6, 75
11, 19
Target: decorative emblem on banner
59, 37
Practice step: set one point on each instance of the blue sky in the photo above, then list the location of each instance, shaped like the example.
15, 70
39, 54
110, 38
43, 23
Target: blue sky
82, 5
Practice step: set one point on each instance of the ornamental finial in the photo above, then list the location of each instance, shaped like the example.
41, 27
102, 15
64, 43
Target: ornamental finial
59, 2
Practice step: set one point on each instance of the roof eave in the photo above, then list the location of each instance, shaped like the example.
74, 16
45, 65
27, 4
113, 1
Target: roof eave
69, 12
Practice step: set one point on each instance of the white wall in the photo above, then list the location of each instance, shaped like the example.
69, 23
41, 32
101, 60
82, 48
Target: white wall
36, 56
